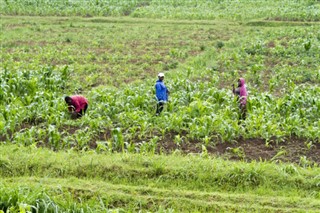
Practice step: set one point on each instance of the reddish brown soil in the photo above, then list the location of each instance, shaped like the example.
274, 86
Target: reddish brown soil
291, 149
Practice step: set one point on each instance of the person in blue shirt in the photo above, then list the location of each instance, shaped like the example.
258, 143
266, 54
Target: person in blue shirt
162, 93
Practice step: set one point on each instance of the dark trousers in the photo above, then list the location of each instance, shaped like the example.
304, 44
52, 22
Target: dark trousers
242, 113
160, 106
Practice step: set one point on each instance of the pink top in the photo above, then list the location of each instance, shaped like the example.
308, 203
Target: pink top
243, 92
79, 102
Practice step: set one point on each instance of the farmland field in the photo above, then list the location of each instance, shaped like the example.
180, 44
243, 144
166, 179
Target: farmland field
195, 156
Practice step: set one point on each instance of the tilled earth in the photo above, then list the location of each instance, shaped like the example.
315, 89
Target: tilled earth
291, 149
296, 150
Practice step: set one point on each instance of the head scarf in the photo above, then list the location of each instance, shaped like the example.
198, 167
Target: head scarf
243, 92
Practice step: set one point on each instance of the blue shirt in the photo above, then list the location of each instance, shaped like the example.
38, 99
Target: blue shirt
161, 91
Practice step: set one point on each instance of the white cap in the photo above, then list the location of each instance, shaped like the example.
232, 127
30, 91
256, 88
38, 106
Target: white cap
161, 74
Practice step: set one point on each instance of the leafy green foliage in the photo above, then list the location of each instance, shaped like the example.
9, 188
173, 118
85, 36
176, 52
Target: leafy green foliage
283, 100
112, 61
90, 182
172, 9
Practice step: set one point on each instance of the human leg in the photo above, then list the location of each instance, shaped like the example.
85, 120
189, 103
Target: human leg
159, 107
83, 111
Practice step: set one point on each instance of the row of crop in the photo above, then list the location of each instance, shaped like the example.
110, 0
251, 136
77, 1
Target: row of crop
90, 48
269, 57
172, 9
197, 110
231, 10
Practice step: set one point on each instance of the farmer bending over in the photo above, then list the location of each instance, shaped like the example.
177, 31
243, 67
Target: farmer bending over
77, 105
162, 93
241, 93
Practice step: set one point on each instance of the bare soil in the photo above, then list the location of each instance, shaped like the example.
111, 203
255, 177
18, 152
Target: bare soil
290, 149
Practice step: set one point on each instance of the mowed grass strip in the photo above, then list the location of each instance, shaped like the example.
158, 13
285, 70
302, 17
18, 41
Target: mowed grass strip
174, 171
99, 193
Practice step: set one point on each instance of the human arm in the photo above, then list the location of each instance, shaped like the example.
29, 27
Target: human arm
71, 108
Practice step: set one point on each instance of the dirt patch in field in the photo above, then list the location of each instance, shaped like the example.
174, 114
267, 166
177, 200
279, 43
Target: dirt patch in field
294, 149
291, 149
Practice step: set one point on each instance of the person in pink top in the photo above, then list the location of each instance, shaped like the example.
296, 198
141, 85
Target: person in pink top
77, 105
242, 95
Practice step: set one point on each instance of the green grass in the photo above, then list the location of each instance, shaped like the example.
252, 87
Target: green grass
67, 180
74, 194
114, 159
307, 10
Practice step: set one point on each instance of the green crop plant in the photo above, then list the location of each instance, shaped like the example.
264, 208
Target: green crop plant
206, 140
238, 11
54, 136
238, 151
178, 140
83, 138
102, 146
118, 141
204, 152
148, 147
305, 162
309, 145
114, 62
279, 154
